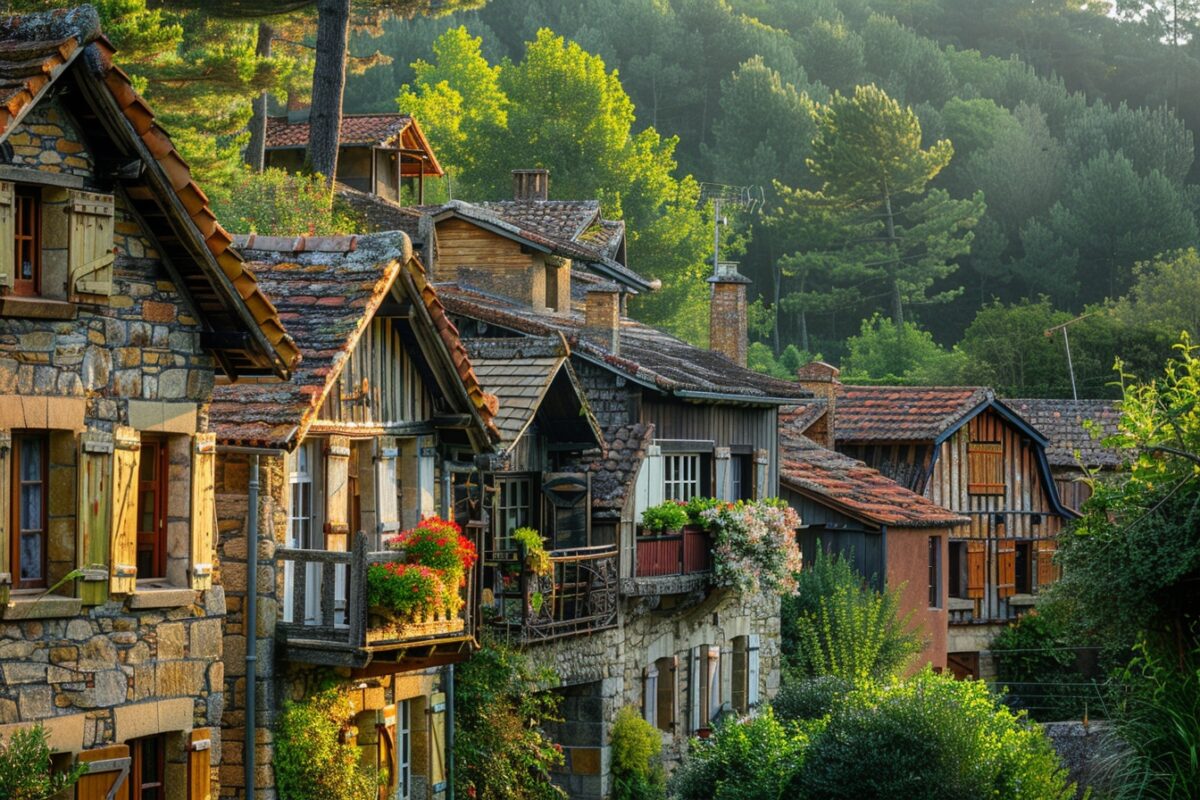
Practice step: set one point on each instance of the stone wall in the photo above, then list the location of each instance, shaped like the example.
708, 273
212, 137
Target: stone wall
608, 395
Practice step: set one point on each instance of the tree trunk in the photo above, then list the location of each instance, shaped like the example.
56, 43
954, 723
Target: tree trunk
776, 290
256, 153
897, 302
329, 79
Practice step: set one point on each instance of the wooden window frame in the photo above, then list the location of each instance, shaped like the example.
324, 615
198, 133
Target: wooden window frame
501, 538
27, 230
155, 540
666, 693
678, 480
43, 439
1023, 567
935, 571
990, 453
137, 783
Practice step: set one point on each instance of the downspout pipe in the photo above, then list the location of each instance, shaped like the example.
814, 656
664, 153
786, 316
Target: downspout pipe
250, 625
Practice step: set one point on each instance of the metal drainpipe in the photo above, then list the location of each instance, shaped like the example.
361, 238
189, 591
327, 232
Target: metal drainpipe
250, 624
450, 732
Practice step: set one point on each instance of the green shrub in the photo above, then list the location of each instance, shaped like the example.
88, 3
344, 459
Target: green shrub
636, 750
1157, 727
666, 516
756, 758
311, 761
536, 557
809, 698
25, 771
1038, 665
276, 203
930, 737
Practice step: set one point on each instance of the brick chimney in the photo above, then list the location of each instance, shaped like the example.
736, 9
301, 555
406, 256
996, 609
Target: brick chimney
822, 380
727, 331
531, 184
602, 317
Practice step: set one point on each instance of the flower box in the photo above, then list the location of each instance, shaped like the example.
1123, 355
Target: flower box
385, 626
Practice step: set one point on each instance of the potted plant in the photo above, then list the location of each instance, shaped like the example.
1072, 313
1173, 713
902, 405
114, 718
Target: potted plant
537, 560
405, 593
438, 544
665, 518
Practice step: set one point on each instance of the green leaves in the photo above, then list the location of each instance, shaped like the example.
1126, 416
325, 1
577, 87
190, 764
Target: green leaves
25, 770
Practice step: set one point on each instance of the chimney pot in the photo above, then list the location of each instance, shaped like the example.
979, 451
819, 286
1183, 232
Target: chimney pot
602, 317
531, 184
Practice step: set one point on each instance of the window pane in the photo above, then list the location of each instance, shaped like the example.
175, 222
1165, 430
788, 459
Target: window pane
31, 460
31, 507
146, 511
31, 557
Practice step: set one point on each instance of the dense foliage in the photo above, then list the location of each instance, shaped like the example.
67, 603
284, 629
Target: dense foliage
500, 750
25, 769
311, 760
637, 771
754, 545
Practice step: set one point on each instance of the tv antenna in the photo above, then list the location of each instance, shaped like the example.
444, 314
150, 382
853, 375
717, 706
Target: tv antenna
749, 199
1067, 343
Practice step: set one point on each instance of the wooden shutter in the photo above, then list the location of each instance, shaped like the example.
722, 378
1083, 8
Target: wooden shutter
123, 531
976, 568
90, 249
739, 689
723, 490
715, 697
388, 509
108, 771
695, 678
8, 235
985, 468
337, 493
650, 694
1006, 567
753, 670
437, 744
1047, 570
5, 513
668, 692
427, 476
204, 509
95, 514
762, 459
200, 765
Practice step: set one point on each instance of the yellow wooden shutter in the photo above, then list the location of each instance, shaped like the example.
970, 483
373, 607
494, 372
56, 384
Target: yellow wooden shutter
90, 248
95, 514
204, 509
1047, 570
107, 775
985, 468
437, 744
8, 234
337, 493
200, 765
1006, 567
976, 568
123, 533
5, 493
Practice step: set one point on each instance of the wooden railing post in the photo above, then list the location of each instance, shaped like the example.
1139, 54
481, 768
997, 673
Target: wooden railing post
357, 610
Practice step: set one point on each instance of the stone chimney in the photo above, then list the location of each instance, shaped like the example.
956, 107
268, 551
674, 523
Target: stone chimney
727, 332
531, 184
602, 317
821, 380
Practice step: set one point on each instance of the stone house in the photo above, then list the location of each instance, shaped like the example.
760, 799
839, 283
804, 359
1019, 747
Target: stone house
121, 304
969, 452
677, 421
379, 427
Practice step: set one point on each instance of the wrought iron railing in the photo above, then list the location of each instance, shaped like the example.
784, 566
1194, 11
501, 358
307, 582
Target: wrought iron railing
325, 601
686, 553
579, 595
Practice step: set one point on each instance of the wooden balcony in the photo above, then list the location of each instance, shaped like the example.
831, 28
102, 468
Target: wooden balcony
579, 596
325, 619
671, 564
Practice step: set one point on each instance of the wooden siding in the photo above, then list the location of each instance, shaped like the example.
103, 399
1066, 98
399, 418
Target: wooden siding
907, 463
723, 425
462, 244
395, 392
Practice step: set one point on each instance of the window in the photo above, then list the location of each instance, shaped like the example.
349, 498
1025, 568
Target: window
29, 485
650, 694
403, 750
935, 572
739, 690
985, 468
741, 475
513, 510
1023, 570
300, 508
147, 768
152, 509
552, 287
664, 700
681, 476
27, 256
957, 573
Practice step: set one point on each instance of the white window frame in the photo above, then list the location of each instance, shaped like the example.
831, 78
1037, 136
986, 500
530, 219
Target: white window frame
511, 515
303, 471
681, 476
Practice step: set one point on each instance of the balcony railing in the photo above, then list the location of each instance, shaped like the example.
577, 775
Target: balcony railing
685, 553
325, 618
579, 595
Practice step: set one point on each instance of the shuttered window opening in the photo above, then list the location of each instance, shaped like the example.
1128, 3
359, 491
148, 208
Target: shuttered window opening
650, 694
976, 568
30, 499
94, 513
147, 780
739, 689
107, 777
715, 698
152, 508
985, 468
667, 692
1006, 567
27, 241
1047, 570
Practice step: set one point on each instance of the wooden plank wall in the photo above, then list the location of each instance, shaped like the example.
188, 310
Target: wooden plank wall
724, 425
1024, 493
904, 462
395, 391
461, 244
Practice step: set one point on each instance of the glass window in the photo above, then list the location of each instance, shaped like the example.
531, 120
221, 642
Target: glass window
514, 510
147, 767
300, 507
30, 469
152, 509
27, 241
681, 476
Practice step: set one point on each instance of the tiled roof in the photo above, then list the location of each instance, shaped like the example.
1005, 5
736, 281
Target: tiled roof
647, 355
853, 488
519, 371
1062, 422
616, 468
799, 418
560, 219
328, 289
379, 214
902, 413
35, 49
375, 129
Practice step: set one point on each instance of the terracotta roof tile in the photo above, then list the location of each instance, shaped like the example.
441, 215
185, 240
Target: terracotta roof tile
374, 129
902, 413
1062, 422
853, 488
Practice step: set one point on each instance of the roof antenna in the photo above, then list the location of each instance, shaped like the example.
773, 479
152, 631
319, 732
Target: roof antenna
742, 198
1067, 344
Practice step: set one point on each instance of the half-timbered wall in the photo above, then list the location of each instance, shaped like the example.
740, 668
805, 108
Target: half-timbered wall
380, 385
